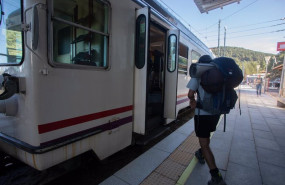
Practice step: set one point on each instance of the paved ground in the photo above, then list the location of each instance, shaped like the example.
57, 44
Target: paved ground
250, 152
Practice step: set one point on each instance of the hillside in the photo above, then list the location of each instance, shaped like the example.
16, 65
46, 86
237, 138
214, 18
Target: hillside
241, 54
250, 59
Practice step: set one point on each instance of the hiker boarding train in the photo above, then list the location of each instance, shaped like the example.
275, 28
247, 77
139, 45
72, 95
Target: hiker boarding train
81, 75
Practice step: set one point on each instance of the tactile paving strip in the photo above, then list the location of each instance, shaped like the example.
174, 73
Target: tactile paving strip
172, 168
156, 178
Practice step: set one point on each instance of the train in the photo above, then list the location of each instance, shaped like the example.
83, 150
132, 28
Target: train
89, 75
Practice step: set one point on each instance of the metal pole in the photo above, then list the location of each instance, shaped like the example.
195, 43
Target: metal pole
266, 63
243, 68
219, 51
265, 79
225, 41
282, 80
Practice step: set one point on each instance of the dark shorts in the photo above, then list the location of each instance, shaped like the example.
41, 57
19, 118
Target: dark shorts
206, 125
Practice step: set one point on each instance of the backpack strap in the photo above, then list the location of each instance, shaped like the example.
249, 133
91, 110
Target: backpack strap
239, 99
225, 116
199, 100
225, 121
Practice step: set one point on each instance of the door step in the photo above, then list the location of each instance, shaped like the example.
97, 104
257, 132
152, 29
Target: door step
144, 140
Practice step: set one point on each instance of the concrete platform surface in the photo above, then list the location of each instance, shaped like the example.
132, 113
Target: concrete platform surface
250, 152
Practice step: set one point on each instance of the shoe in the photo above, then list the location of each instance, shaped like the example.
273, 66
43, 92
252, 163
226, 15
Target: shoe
217, 180
199, 156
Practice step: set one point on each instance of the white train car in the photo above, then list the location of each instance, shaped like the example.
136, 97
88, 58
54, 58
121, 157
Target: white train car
81, 75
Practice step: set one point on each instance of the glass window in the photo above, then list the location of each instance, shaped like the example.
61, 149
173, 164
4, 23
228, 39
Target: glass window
195, 56
172, 49
81, 32
183, 59
182, 65
140, 41
11, 38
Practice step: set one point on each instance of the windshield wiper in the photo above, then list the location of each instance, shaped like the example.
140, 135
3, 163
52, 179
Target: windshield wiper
1, 12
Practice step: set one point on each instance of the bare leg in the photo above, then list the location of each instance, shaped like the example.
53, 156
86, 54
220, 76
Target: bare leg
207, 153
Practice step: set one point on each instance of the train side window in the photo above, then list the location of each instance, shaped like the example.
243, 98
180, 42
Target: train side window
81, 32
11, 35
182, 59
195, 56
140, 41
172, 52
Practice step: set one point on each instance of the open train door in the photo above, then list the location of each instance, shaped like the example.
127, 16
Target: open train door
141, 58
170, 97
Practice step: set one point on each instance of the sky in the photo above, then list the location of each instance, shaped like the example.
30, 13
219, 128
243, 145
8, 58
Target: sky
250, 24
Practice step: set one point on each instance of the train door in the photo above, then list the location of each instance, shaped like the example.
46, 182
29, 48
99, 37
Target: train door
171, 70
155, 75
141, 64
149, 74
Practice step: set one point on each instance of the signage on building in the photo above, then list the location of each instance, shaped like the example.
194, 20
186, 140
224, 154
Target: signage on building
280, 46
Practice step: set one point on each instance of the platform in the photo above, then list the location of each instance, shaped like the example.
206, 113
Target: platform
250, 152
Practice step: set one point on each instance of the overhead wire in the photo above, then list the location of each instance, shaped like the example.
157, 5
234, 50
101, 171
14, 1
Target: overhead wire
242, 26
256, 23
215, 24
239, 10
205, 37
252, 34
249, 29
188, 24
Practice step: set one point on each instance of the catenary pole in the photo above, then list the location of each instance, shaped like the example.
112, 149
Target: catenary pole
225, 33
219, 51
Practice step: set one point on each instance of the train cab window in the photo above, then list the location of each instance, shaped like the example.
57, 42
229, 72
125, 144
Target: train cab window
172, 52
140, 41
11, 36
195, 56
81, 32
183, 59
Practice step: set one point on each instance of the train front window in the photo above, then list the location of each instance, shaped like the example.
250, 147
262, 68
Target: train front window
11, 38
81, 32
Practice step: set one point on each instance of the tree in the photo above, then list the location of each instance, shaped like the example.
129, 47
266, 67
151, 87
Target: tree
250, 58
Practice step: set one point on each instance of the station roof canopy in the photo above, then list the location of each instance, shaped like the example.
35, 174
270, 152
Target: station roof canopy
207, 5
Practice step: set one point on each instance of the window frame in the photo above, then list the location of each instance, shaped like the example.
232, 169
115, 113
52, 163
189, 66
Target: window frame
52, 18
180, 56
182, 71
22, 34
139, 18
168, 53
192, 55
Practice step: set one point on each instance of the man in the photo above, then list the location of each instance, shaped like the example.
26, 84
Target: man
205, 123
258, 82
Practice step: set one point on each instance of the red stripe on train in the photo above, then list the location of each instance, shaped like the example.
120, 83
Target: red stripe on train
48, 127
182, 101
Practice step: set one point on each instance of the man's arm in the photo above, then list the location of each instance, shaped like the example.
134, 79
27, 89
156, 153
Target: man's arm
191, 96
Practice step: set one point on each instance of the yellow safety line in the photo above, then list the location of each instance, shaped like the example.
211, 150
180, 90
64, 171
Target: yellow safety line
187, 172
183, 178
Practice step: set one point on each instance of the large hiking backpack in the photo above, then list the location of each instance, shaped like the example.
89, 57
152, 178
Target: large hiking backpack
220, 82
